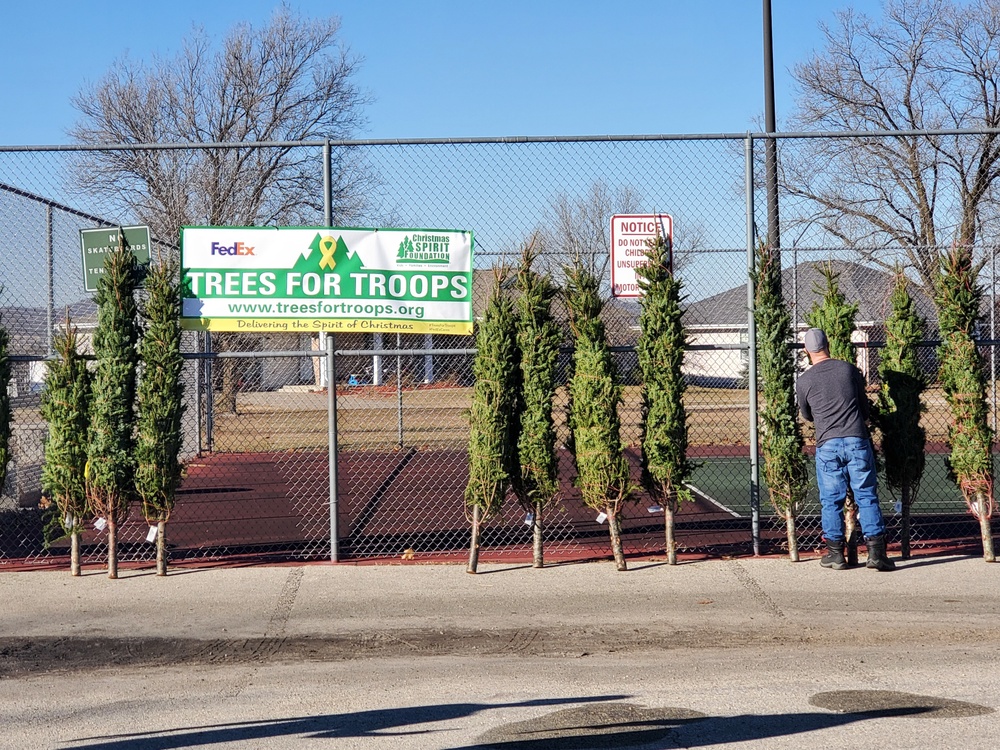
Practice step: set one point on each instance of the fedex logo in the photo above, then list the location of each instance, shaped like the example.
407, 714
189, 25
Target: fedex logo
235, 249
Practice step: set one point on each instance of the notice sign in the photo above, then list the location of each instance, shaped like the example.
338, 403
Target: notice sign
304, 279
630, 237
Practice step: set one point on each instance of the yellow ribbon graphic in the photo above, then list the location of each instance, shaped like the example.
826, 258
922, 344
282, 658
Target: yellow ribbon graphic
327, 246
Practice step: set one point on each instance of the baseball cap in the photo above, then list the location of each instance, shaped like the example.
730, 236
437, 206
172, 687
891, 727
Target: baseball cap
816, 341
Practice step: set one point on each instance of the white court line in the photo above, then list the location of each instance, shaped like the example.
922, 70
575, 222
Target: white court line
712, 500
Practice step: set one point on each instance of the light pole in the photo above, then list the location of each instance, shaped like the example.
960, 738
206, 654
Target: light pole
770, 144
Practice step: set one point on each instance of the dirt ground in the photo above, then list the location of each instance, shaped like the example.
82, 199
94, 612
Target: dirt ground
21, 656
369, 418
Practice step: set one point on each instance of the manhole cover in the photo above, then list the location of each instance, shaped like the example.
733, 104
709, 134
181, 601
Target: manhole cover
600, 725
891, 703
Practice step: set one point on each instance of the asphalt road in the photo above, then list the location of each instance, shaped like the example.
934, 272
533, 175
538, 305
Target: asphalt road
728, 653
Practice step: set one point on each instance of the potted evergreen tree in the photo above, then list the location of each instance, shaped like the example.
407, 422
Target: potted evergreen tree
780, 433
65, 408
665, 466
536, 482
494, 415
602, 469
899, 403
970, 439
110, 475
160, 404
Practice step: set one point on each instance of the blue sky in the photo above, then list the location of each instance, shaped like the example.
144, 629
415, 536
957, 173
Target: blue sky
453, 69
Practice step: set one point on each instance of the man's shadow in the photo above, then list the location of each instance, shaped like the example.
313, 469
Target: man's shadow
680, 731
384, 722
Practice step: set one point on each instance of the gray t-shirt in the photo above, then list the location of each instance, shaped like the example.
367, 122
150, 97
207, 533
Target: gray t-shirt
831, 393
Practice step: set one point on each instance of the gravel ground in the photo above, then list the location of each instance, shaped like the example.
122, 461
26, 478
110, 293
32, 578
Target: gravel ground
734, 653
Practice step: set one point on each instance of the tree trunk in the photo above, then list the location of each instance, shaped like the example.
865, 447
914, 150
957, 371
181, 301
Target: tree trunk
161, 548
793, 540
226, 399
668, 522
112, 548
74, 552
904, 530
616, 540
474, 545
537, 555
984, 524
851, 529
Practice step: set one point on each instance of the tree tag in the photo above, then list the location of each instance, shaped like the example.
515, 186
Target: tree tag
655, 508
529, 519
899, 506
151, 536
100, 523
602, 517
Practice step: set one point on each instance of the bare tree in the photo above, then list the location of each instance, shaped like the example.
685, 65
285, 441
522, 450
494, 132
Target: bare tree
579, 229
289, 80
927, 64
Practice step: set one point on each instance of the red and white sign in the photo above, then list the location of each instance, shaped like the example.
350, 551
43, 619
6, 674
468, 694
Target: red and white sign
630, 238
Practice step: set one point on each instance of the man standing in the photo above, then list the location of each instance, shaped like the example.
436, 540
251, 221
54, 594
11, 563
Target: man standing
831, 393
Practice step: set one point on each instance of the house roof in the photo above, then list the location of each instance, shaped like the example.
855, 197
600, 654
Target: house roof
33, 321
867, 287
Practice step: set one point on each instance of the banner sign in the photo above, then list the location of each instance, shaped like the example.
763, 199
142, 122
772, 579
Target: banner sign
630, 238
302, 279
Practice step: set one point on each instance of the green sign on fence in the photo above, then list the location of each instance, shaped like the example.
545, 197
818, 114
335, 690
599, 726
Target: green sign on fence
96, 243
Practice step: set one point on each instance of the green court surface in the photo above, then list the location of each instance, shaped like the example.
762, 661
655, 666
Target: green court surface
726, 482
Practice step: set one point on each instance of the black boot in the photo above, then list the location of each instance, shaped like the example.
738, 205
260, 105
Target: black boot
877, 558
851, 547
834, 557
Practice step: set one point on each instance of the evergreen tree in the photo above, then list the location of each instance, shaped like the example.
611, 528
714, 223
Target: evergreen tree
602, 469
494, 418
160, 404
970, 439
780, 433
536, 482
899, 404
834, 314
665, 466
66, 408
836, 317
111, 442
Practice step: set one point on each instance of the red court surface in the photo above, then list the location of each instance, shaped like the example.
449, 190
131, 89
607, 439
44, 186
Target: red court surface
407, 505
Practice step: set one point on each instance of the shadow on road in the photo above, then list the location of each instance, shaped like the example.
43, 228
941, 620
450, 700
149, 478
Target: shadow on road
592, 722
388, 722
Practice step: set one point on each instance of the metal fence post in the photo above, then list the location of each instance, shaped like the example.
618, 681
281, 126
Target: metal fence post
331, 374
399, 392
209, 394
50, 278
331, 403
752, 353
198, 371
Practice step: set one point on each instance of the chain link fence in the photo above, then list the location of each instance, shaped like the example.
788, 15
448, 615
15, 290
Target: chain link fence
262, 420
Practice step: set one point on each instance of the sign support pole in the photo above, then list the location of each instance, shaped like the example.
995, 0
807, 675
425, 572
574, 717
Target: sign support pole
331, 375
331, 398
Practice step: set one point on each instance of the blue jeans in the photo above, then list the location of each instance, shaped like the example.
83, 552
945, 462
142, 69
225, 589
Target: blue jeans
841, 462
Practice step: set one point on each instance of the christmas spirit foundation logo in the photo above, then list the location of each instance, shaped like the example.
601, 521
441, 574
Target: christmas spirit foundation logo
429, 249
